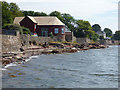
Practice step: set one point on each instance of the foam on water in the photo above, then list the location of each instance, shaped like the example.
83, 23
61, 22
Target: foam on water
11, 64
17, 63
2, 69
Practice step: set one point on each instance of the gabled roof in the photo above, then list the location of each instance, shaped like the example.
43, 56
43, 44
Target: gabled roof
41, 20
17, 20
32, 18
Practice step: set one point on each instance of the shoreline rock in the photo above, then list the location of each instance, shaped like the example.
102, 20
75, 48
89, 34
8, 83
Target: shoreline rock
52, 48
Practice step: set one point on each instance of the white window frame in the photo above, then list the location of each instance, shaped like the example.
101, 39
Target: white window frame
56, 30
62, 31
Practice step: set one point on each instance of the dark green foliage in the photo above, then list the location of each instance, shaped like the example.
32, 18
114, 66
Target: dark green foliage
16, 27
26, 30
32, 13
92, 35
108, 32
12, 27
15, 10
57, 14
69, 21
9, 12
6, 14
28, 13
96, 27
80, 28
101, 38
116, 36
51, 35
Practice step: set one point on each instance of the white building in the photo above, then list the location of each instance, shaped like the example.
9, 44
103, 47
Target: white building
101, 33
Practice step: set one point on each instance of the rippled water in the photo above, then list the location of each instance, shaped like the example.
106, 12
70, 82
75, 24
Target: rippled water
95, 68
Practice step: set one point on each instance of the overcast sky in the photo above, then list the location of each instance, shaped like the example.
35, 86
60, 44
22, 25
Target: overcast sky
102, 12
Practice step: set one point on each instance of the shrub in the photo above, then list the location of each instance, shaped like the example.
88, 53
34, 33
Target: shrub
26, 30
64, 41
51, 35
13, 27
74, 41
101, 38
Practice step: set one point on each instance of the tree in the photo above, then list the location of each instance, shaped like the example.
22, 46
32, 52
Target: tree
32, 13
69, 21
9, 12
92, 35
15, 10
26, 30
57, 14
28, 13
101, 37
15, 27
43, 14
108, 32
116, 36
6, 14
83, 28
96, 27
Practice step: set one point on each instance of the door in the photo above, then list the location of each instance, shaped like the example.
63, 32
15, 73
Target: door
44, 32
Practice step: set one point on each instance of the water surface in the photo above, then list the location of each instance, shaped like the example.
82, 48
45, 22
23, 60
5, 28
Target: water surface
95, 68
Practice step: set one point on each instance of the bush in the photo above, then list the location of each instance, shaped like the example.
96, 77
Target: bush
64, 41
74, 41
51, 35
17, 27
101, 38
13, 27
26, 30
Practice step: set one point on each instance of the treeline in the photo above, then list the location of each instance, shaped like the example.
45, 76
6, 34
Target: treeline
81, 28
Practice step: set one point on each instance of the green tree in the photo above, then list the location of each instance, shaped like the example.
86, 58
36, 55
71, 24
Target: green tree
83, 29
32, 13
13, 27
69, 21
6, 13
15, 10
9, 12
43, 14
28, 13
57, 14
96, 27
92, 35
108, 32
116, 36
26, 30
101, 38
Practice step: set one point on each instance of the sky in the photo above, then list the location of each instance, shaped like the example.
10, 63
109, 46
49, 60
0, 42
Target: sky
102, 12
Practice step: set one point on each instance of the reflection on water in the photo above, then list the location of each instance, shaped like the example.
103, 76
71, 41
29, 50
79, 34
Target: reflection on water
85, 69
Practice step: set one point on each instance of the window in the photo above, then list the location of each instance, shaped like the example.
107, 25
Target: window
35, 26
62, 31
56, 30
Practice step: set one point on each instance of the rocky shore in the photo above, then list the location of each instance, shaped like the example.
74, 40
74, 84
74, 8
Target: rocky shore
47, 48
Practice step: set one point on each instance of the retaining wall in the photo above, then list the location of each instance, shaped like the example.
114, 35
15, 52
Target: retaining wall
11, 43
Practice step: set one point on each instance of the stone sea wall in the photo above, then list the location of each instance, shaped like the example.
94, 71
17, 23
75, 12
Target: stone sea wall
82, 40
11, 43
26, 39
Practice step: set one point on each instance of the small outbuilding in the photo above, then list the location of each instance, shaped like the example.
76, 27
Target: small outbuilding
43, 25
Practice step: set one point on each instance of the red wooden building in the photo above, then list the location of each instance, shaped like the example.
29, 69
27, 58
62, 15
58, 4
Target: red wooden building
42, 25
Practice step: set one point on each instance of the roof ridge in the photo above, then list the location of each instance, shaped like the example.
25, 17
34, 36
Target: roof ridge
32, 18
